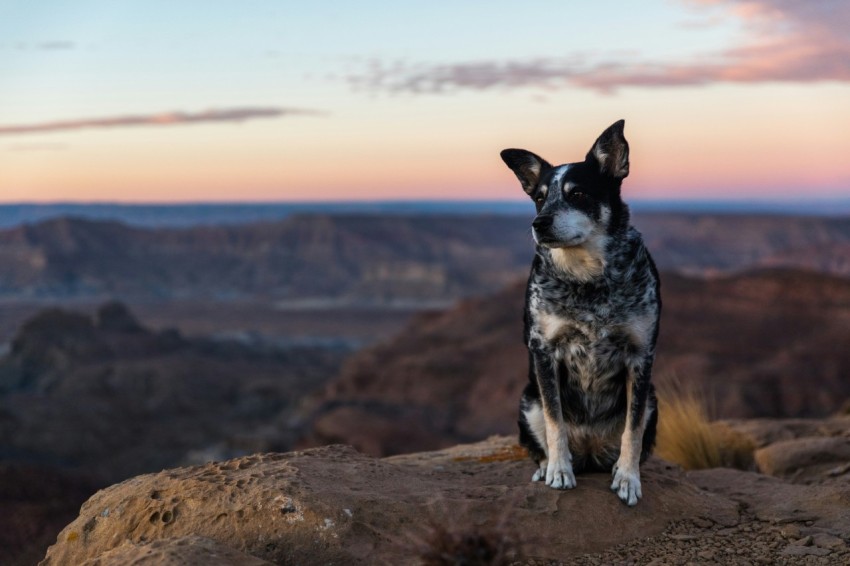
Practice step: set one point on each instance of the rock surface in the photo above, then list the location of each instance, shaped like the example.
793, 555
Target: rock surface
176, 552
333, 505
810, 456
806, 451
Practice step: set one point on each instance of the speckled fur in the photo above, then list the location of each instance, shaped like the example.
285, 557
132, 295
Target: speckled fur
590, 333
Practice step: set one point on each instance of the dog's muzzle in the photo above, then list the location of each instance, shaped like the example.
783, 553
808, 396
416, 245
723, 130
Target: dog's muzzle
548, 235
541, 229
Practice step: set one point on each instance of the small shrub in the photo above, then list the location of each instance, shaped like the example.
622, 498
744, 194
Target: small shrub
471, 545
453, 534
687, 436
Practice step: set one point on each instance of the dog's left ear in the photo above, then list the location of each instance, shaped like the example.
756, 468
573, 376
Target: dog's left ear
611, 151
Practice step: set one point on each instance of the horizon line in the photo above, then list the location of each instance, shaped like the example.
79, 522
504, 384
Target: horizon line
756, 200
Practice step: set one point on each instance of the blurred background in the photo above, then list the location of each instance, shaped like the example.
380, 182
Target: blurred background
248, 226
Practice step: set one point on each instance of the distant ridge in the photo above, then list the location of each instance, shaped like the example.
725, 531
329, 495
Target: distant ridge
386, 260
209, 214
212, 214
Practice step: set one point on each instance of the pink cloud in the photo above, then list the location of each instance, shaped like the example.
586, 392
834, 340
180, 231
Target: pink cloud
163, 119
789, 41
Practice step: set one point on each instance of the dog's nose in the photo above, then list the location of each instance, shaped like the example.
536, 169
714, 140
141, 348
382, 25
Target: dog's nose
542, 223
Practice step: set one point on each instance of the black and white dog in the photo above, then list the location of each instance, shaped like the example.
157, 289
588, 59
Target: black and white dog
591, 321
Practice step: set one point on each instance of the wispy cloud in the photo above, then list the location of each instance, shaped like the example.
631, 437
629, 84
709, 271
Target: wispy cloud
788, 41
236, 115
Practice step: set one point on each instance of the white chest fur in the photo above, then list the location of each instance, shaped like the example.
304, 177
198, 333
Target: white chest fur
591, 347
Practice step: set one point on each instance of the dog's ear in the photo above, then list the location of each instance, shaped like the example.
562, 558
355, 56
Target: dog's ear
526, 166
611, 151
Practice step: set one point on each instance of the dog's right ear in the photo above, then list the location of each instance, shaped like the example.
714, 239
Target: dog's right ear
526, 166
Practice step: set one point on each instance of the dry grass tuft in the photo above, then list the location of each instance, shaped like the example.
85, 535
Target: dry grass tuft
454, 534
736, 450
473, 545
688, 437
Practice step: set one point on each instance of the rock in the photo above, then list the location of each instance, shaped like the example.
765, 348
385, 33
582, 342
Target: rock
803, 457
176, 552
794, 550
776, 501
805, 541
767, 431
790, 531
825, 540
838, 470
333, 505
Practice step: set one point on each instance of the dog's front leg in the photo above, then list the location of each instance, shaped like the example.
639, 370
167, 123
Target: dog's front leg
559, 467
626, 471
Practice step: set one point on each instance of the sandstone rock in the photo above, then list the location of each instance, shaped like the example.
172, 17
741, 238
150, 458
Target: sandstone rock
794, 550
333, 505
805, 541
803, 457
825, 540
773, 500
790, 531
763, 432
176, 552
768, 431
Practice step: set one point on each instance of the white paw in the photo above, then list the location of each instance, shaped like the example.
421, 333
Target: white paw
540, 473
627, 484
559, 474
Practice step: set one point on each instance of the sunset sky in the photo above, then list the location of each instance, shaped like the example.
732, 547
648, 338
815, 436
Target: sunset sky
154, 101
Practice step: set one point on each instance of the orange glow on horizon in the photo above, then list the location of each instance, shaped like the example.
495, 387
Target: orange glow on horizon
735, 148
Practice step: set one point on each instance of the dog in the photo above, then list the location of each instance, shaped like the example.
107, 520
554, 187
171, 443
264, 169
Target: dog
591, 321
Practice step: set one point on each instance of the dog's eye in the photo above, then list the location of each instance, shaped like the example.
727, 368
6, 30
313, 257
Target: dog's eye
539, 200
577, 196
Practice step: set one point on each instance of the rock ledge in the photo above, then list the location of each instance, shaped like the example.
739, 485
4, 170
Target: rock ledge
333, 505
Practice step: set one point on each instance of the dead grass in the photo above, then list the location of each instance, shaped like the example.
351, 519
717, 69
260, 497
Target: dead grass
688, 437
475, 545
452, 533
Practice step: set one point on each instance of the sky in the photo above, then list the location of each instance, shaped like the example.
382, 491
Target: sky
253, 101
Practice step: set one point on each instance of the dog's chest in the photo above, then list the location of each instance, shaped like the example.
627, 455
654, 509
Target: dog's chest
596, 332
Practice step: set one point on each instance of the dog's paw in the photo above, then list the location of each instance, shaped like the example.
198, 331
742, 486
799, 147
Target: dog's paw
540, 473
627, 484
559, 474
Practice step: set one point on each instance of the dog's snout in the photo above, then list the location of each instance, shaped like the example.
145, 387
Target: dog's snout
542, 223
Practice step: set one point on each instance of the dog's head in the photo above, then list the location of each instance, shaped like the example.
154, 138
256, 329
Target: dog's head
576, 202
